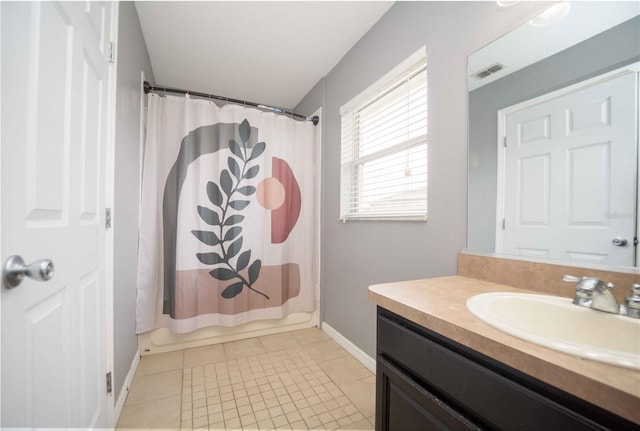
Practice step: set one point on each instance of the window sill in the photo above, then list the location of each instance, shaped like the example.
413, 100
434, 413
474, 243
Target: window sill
418, 218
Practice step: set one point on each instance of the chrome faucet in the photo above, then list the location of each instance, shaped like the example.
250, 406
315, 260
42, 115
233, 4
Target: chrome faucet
595, 294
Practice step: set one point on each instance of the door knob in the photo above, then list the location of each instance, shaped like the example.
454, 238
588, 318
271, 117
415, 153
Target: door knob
619, 242
15, 270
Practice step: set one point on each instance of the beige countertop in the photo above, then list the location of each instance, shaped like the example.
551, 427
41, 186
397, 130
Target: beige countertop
439, 305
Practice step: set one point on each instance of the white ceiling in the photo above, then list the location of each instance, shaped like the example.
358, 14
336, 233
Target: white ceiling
265, 52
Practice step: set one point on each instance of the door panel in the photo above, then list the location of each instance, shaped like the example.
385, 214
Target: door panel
48, 363
403, 404
589, 176
54, 106
534, 130
91, 126
46, 164
96, 17
92, 364
534, 185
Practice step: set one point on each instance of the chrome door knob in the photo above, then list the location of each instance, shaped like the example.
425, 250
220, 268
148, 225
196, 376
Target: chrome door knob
619, 242
15, 270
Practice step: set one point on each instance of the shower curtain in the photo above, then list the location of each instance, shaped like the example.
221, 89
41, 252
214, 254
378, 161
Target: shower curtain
228, 216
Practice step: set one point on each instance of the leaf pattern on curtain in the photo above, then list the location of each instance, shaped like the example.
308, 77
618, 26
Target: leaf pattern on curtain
226, 235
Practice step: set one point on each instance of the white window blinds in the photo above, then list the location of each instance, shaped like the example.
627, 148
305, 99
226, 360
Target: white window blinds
384, 150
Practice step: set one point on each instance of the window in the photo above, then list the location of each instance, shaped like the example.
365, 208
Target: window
384, 147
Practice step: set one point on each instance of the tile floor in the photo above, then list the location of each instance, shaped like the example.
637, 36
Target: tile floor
299, 380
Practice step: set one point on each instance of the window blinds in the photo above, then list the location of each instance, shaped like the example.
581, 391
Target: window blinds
384, 151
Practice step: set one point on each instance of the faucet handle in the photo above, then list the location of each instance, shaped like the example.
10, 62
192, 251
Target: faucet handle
633, 300
588, 284
570, 278
584, 295
631, 305
585, 288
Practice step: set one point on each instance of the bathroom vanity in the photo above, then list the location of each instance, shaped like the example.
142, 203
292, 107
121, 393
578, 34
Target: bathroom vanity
440, 367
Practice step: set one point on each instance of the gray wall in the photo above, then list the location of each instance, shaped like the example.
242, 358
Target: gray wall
132, 60
607, 51
360, 253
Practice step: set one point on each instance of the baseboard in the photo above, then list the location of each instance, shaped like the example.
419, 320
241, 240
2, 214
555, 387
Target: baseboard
122, 396
347, 345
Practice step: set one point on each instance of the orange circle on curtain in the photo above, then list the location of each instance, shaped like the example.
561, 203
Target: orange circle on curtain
270, 193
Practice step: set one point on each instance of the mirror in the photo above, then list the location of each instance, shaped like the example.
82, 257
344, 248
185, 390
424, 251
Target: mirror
564, 98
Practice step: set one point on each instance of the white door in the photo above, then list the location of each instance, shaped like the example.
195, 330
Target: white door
55, 75
570, 175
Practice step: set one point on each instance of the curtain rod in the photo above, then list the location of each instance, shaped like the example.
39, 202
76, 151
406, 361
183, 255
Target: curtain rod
156, 88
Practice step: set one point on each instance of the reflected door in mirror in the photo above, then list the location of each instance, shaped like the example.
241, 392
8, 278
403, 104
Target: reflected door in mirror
568, 164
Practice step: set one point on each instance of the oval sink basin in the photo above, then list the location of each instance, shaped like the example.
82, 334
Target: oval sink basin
556, 323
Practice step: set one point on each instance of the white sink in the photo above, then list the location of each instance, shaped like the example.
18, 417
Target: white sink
558, 324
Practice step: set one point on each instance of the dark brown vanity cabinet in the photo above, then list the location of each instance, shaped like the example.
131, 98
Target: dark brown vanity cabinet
428, 382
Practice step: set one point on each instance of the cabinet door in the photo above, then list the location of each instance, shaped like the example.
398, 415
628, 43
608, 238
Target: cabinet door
405, 405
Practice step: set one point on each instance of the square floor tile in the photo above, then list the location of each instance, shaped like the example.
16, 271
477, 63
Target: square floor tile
309, 336
363, 394
159, 413
204, 355
345, 370
273, 343
266, 424
323, 351
243, 348
160, 362
361, 425
215, 418
293, 417
312, 421
232, 424
155, 386
279, 421
200, 422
